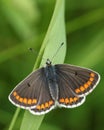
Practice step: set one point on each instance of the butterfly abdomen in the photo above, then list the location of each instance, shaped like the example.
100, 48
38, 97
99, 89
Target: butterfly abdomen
52, 81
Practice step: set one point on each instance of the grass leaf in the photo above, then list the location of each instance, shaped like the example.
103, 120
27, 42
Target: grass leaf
54, 37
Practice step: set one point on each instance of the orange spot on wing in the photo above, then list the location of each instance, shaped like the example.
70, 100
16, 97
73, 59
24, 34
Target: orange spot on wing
62, 100
66, 100
50, 102
77, 90
91, 79
38, 107
82, 88
14, 93
92, 75
29, 101
46, 104
34, 101
25, 100
17, 97
71, 100
75, 99
86, 86
21, 99
89, 83
42, 106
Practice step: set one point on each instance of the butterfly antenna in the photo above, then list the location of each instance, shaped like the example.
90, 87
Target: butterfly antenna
33, 50
57, 50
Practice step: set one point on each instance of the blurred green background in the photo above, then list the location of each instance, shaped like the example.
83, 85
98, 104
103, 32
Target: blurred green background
23, 24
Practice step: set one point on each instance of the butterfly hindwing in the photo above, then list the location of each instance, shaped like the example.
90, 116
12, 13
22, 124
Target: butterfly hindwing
32, 91
80, 80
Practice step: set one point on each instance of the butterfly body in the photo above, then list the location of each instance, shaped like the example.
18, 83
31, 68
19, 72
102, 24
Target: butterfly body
51, 78
60, 85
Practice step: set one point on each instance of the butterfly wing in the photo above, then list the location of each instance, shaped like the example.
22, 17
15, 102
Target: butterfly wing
43, 107
32, 92
74, 84
46, 102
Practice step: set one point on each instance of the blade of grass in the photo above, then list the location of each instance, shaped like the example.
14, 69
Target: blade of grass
14, 119
54, 37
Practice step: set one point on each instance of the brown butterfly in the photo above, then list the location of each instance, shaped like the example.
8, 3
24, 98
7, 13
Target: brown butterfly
60, 85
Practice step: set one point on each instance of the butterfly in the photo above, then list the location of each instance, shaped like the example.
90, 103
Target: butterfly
60, 85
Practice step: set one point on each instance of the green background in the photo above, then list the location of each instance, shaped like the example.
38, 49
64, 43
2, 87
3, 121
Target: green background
23, 25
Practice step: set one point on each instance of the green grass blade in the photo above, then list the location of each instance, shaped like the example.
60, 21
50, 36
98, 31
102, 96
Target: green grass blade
54, 37
14, 119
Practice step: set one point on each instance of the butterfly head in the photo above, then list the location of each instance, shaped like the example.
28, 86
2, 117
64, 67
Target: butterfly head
48, 62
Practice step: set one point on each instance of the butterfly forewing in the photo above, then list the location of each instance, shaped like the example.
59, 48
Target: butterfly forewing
31, 91
81, 81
